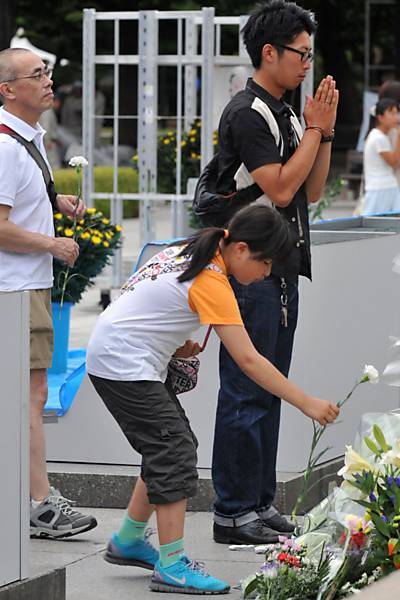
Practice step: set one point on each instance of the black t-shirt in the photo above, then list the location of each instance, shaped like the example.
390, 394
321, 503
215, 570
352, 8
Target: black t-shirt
245, 137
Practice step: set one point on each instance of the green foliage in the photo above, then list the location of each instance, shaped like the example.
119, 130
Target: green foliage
97, 239
296, 584
332, 189
190, 157
65, 183
381, 498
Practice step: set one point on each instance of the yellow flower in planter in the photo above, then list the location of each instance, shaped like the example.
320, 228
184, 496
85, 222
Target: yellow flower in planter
70, 283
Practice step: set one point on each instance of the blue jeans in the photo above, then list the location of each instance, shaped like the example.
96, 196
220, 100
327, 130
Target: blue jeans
248, 417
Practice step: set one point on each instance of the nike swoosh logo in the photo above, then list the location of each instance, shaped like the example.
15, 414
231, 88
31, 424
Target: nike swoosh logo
181, 580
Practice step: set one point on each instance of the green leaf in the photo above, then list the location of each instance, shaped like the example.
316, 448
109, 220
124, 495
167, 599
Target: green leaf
380, 526
380, 438
372, 446
250, 587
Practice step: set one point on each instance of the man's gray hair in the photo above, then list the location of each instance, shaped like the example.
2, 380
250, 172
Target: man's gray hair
7, 62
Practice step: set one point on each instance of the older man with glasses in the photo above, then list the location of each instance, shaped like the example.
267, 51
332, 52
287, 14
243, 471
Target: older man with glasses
27, 248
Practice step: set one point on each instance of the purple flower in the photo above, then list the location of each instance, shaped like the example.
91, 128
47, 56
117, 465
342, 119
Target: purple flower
390, 481
372, 497
384, 519
397, 481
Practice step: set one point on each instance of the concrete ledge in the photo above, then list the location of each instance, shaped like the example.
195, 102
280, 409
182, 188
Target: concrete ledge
388, 587
49, 586
110, 486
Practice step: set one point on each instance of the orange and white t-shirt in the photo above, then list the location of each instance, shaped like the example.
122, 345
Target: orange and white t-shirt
135, 337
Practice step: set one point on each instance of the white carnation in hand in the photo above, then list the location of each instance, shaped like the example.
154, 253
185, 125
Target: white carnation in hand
371, 373
78, 161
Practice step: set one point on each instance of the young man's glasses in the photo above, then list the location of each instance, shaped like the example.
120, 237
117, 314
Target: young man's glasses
38, 76
306, 55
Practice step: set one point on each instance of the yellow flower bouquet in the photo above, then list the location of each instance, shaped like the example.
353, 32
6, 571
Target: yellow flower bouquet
98, 239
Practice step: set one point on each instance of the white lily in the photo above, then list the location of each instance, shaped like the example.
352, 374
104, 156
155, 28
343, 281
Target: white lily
354, 463
78, 161
392, 457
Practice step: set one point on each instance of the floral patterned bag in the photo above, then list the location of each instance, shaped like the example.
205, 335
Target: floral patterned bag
183, 372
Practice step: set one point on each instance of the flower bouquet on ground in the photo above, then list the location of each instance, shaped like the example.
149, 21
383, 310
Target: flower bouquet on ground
286, 573
352, 537
98, 239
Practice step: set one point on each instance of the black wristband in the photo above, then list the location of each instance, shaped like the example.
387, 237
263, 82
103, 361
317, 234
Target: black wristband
328, 138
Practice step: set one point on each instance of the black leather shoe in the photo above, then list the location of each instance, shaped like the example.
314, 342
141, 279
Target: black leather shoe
278, 523
251, 533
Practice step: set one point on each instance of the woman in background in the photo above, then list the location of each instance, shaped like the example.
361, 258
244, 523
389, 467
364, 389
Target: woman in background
381, 159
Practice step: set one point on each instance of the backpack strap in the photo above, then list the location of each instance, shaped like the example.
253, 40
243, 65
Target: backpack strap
39, 160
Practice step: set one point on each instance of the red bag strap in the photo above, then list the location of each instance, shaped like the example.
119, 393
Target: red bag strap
204, 344
5, 129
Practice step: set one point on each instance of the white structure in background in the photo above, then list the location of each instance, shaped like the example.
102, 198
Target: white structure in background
205, 79
20, 41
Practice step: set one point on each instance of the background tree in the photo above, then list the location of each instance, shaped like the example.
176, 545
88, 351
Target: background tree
57, 27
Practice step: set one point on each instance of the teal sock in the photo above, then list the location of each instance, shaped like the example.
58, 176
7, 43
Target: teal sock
171, 553
131, 530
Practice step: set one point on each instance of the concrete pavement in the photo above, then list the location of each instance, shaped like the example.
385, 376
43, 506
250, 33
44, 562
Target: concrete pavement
89, 577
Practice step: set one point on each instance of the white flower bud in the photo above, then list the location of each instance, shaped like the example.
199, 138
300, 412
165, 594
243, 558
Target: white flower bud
78, 161
371, 373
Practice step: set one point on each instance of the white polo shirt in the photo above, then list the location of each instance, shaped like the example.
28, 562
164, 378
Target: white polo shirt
22, 187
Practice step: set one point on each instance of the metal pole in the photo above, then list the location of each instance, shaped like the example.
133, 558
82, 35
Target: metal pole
242, 47
190, 107
147, 122
178, 206
367, 44
88, 102
207, 79
116, 203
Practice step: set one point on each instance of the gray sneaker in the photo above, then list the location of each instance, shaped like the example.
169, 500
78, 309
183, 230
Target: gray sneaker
55, 518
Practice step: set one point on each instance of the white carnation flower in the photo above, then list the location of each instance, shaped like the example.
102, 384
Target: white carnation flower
78, 161
371, 373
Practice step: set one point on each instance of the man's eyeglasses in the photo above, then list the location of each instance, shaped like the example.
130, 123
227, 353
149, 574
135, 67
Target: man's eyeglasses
38, 76
306, 55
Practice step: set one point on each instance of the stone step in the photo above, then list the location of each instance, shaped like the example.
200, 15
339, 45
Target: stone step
110, 486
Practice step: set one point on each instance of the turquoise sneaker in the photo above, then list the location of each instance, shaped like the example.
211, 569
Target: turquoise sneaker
139, 554
186, 577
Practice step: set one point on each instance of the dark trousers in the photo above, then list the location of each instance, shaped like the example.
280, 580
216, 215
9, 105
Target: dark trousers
248, 417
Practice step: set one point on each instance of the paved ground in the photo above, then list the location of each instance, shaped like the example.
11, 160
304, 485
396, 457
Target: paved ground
89, 577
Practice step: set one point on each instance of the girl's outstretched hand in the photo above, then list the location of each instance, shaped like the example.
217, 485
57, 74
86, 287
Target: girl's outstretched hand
320, 410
